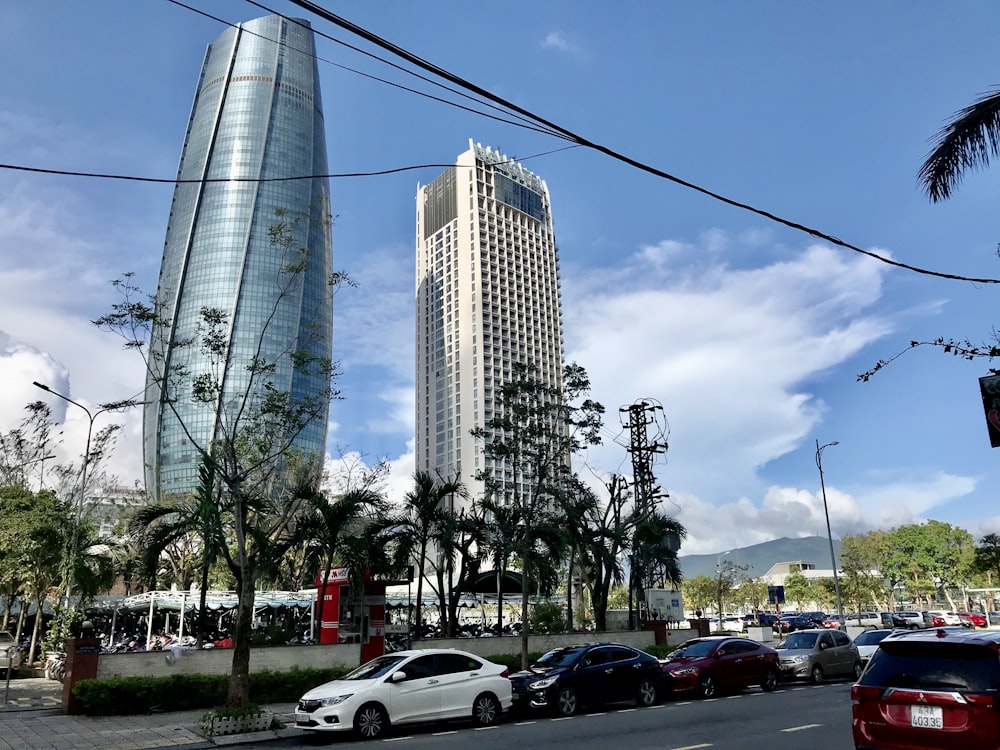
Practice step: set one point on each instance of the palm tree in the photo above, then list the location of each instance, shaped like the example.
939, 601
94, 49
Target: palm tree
423, 517
160, 527
967, 142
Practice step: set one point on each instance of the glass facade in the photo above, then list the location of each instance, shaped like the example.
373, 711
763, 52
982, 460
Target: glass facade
257, 115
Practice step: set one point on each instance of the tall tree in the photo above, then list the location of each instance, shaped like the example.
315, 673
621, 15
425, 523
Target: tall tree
535, 430
194, 523
422, 519
966, 142
251, 452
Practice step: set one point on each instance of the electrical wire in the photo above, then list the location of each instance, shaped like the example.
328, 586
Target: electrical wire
208, 180
413, 59
518, 122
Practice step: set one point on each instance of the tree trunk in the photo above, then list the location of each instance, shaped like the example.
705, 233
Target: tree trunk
569, 597
525, 624
415, 631
202, 597
239, 676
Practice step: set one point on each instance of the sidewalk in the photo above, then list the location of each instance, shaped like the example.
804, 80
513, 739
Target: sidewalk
31, 720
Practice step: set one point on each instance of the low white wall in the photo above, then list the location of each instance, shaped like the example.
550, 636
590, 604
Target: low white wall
284, 658
220, 660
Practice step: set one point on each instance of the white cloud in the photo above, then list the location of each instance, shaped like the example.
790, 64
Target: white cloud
727, 353
558, 40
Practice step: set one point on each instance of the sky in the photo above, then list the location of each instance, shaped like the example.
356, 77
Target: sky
749, 333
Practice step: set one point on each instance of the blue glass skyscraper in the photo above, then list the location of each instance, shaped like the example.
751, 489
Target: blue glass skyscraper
257, 118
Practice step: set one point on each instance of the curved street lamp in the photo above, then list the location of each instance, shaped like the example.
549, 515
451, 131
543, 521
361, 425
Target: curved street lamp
91, 416
829, 533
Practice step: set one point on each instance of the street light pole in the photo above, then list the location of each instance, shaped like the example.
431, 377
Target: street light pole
829, 533
83, 480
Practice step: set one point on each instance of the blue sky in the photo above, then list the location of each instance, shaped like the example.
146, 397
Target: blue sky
750, 334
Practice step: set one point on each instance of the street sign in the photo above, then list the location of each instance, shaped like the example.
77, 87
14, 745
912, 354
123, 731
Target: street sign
776, 594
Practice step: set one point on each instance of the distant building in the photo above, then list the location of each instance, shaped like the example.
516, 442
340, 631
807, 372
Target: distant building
487, 294
257, 116
108, 507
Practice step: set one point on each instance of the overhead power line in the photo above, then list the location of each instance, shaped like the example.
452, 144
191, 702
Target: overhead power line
561, 131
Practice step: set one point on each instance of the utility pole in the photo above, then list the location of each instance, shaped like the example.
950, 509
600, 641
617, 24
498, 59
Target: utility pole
644, 448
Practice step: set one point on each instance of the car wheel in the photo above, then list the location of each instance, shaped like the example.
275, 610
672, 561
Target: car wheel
486, 710
646, 693
371, 721
816, 675
914, 627
770, 681
858, 669
706, 686
566, 701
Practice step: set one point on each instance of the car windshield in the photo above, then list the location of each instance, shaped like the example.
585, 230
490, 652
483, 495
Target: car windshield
375, 668
934, 666
799, 640
560, 657
871, 637
692, 649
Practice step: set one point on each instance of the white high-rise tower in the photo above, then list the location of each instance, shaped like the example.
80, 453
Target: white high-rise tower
487, 299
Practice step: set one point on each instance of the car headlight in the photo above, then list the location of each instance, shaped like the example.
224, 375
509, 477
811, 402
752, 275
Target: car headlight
682, 672
543, 684
799, 659
334, 700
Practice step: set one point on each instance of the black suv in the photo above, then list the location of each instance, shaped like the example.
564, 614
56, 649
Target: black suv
566, 678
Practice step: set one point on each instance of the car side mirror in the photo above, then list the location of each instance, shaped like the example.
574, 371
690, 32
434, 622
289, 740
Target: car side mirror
398, 676
822, 647
720, 653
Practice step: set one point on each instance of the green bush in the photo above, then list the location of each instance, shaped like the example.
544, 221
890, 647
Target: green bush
143, 695
548, 617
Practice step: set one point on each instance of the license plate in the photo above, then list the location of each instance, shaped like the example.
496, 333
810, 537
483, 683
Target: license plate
928, 717
302, 718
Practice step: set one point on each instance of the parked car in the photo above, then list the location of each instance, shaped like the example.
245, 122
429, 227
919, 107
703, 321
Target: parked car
910, 619
817, 654
710, 665
937, 618
405, 687
784, 623
868, 641
764, 620
566, 678
831, 621
733, 622
933, 690
863, 619
806, 621
10, 654
972, 619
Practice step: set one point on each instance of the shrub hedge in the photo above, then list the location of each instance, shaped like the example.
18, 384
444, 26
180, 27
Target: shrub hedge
143, 695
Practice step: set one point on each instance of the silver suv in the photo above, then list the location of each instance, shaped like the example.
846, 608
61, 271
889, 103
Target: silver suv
10, 654
911, 620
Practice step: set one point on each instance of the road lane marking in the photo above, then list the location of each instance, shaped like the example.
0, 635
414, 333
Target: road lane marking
524, 723
693, 747
799, 729
397, 739
562, 718
483, 729
442, 734
598, 713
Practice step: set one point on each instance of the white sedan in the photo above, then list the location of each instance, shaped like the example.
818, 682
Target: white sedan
406, 687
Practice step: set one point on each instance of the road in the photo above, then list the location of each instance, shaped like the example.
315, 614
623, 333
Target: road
795, 717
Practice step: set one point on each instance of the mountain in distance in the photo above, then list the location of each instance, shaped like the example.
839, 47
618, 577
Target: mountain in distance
760, 557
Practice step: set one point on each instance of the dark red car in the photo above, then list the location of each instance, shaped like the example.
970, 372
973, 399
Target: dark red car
932, 689
715, 664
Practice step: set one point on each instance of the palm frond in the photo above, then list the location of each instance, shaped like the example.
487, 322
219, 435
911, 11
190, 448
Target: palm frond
967, 142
